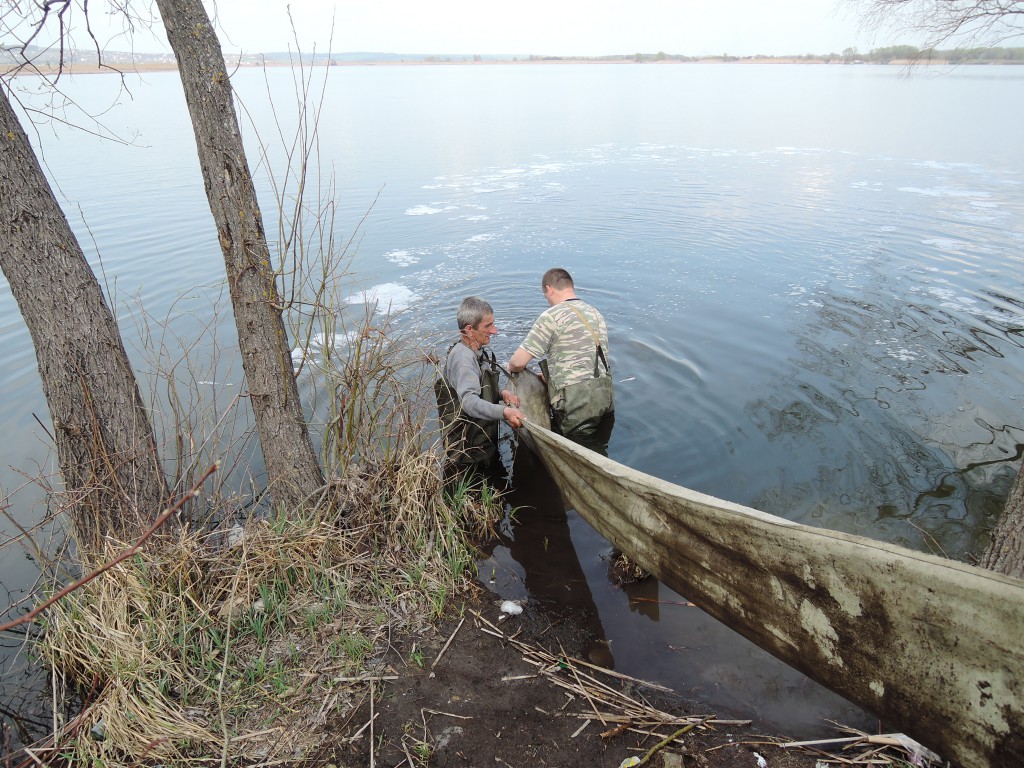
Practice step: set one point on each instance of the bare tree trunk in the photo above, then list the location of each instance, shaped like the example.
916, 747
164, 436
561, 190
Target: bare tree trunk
1005, 553
292, 465
103, 433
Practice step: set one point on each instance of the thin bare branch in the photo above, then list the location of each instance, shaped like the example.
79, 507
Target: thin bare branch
161, 519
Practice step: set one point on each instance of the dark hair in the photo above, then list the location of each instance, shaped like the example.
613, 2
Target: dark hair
472, 311
557, 278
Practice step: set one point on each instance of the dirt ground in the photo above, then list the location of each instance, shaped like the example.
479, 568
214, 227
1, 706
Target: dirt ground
477, 694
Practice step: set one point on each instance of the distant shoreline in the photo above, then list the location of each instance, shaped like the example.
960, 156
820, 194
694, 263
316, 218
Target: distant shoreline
122, 68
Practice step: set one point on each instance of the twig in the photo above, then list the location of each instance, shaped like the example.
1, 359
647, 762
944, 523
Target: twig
579, 730
445, 648
246, 736
620, 676
665, 742
888, 739
448, 714
618, 729
364, 726
582, 687
407, 756
662, 602
194, 491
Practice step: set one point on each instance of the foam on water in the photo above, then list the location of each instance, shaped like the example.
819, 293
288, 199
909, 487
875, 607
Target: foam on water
426, 210
320, 347
402, 257
945, 192
386, 297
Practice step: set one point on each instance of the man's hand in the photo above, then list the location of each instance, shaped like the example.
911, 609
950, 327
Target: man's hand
510, 398
514, 416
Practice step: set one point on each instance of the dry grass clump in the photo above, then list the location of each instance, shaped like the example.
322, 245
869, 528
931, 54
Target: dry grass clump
238, 641
239, 644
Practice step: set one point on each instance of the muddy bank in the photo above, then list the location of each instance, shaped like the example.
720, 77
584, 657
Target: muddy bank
476, 694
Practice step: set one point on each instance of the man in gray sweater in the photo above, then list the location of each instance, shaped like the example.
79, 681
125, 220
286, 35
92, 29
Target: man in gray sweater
470, 403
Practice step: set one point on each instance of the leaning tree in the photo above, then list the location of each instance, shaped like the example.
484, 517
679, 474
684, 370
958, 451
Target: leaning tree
106, 449
292, 467
293, 470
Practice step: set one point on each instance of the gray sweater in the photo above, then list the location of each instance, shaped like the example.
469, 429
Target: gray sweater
462, 370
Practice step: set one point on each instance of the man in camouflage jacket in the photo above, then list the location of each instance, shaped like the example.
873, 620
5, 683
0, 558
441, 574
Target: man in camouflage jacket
572, 337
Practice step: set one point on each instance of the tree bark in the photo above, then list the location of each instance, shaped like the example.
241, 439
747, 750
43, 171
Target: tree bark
1005, 553
293, 469
104, 437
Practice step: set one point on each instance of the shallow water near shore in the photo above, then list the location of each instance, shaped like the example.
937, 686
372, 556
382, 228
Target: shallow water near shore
812, 278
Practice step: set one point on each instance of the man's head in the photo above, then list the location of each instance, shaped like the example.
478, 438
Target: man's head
557, 286
476, 321
556, 278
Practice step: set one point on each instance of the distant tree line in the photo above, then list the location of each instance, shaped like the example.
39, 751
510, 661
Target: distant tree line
886, 55
954, 55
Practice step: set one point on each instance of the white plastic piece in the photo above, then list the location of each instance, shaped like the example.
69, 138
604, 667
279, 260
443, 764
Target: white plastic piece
511, 608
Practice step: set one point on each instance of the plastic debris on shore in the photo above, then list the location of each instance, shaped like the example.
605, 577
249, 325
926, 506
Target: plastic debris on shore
511, 607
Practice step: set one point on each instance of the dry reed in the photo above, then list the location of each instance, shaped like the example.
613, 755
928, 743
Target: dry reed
241, 642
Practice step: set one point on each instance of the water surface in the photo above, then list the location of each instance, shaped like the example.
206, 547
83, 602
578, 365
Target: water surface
812, 277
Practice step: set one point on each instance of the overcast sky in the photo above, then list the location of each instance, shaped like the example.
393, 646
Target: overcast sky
537, 27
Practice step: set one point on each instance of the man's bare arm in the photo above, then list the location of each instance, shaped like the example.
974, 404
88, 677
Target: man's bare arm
519, 360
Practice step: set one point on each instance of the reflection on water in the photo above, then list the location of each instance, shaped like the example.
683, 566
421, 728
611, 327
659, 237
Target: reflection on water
535, 559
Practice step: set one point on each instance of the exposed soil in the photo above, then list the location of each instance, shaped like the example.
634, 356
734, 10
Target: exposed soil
469, 698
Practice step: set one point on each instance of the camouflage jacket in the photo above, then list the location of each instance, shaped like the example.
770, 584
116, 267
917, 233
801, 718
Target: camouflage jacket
564, 339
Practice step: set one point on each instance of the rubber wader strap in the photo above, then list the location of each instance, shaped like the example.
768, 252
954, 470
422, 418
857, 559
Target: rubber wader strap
597, 343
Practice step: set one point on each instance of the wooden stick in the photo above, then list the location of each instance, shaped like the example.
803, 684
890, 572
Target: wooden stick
373, 761
579, 730
445, 648
666, 742
448, 714
582, 687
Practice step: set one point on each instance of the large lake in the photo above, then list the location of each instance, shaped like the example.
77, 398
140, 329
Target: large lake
812, 277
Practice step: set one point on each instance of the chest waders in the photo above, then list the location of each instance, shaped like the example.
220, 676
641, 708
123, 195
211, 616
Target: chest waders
585, 403
469, 441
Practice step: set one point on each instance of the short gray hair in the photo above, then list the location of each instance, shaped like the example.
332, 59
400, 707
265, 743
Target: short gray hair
472, 311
